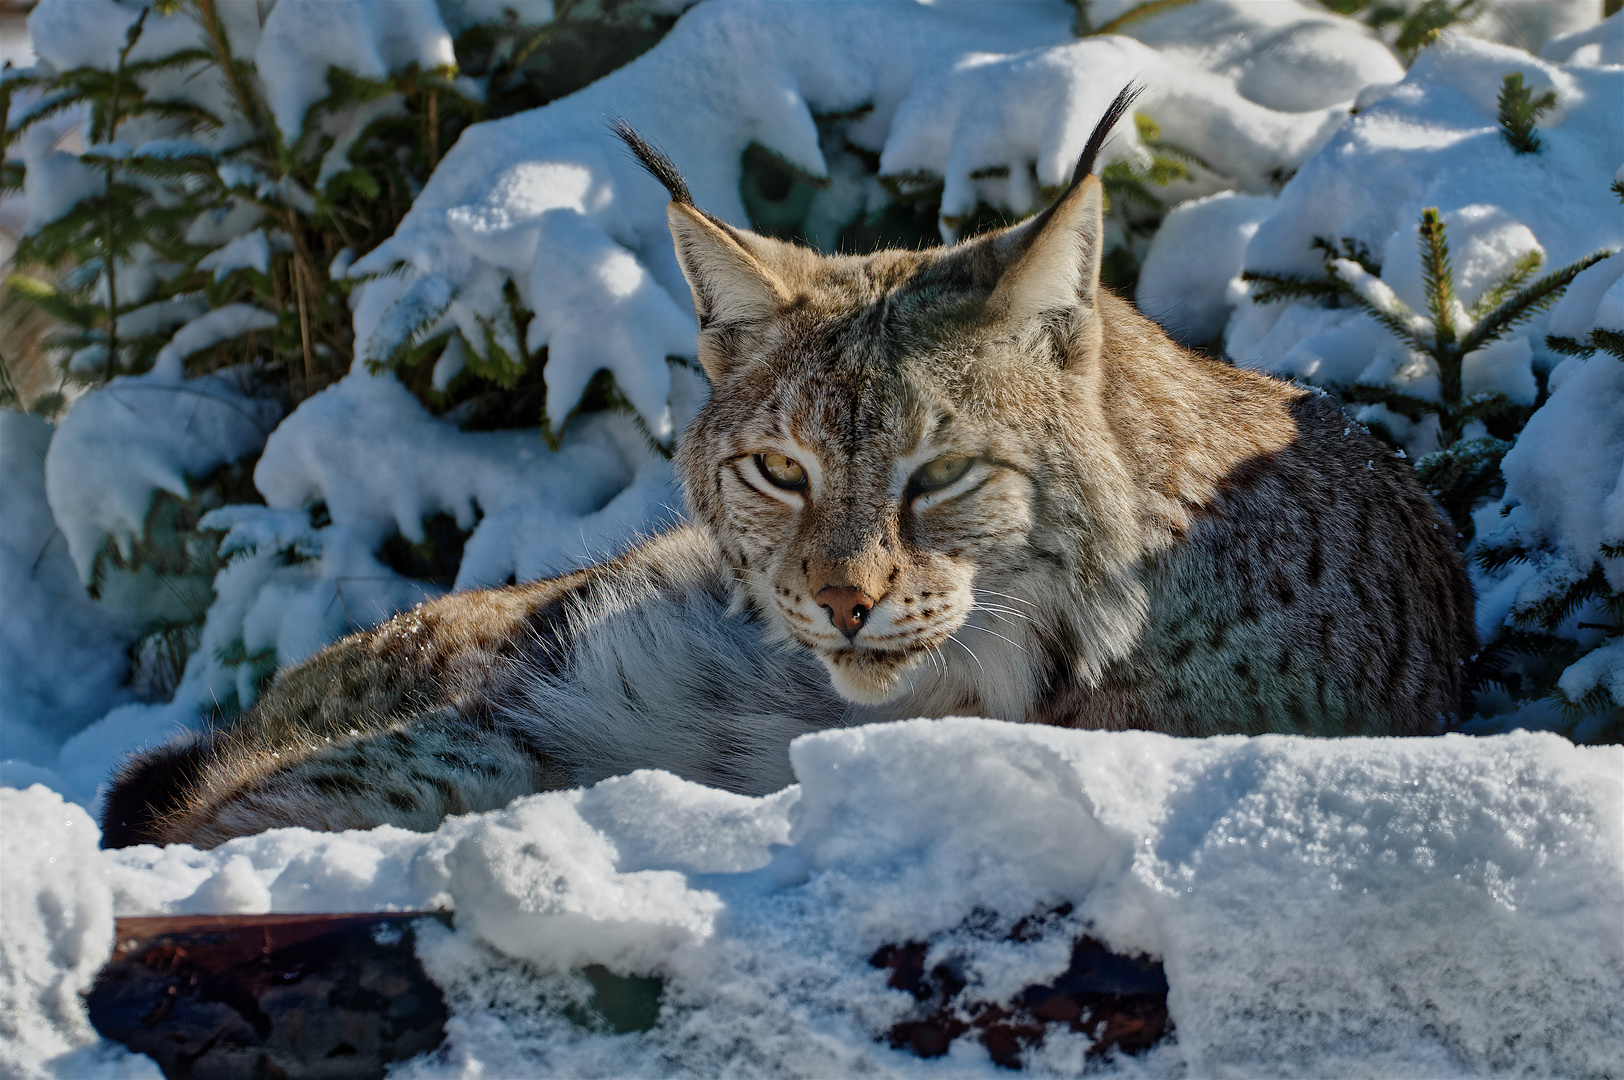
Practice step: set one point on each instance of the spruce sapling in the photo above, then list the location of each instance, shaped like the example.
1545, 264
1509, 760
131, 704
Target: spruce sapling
1465, 467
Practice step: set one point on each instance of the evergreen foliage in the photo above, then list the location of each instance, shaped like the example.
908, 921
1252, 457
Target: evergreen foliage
786, 203
1082, 26
1519, 110
1409, 27
181, 182
1475, 432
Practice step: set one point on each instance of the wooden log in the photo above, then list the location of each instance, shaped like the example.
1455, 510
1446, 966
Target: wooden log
272, 996
1119, 1001
278, 997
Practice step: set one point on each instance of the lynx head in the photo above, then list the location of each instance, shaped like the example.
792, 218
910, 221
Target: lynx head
897, 446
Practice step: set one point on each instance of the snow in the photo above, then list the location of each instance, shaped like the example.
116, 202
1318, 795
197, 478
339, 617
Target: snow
951, 90
1189, 297
250, 251
372, 38
1438, 907
1431, 140
211, 328
1564, 492
46, 615
58, 916
136, 436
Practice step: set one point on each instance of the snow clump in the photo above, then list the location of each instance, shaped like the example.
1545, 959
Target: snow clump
1438, 907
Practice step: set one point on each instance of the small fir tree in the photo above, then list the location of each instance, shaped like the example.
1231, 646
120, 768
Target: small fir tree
1473, 433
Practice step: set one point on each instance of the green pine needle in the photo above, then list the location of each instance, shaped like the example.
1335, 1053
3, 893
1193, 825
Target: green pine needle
1272, 288
1519, 110
1608, 341
1527, 300
1495, 294
1437, 276
1567, 346
1551, 612
1407, 406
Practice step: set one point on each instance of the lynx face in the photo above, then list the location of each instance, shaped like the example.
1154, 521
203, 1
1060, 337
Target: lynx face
878, 460
860, 504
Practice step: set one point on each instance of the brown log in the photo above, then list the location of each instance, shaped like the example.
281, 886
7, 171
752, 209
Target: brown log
341, 996
227, 996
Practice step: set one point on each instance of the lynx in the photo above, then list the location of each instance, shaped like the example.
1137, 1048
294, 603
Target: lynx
967, 480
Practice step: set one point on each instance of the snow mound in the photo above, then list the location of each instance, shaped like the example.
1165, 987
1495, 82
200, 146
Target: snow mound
372, 38
47, 614
1564, 499
980, 95
1387, 907
136, 436
379, 463
1433, 140
57, 912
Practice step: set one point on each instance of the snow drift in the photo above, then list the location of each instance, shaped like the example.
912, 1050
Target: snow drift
1438, 907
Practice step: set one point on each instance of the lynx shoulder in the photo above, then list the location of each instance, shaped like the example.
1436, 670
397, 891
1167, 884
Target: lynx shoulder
959, 481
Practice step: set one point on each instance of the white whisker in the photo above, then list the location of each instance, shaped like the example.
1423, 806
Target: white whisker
997, 609
969, 650
1006, 596
994, 633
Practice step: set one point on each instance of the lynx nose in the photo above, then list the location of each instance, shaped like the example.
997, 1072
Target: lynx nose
848, 608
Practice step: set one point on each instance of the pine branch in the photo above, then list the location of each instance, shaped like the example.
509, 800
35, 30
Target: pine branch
1567, 346
1407, 406
51, 300
1494, 559
1463, 470
1277, 287
1520, 272
1608, 341
1396, 323
1519, 109
1351, 249
109, 253
1553, 611
1485, 407
1421, 27
1437, 276
1144, 10
1527, 300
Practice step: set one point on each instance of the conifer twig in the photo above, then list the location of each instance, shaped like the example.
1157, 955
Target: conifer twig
1608, 341
1519, 110
1527, 300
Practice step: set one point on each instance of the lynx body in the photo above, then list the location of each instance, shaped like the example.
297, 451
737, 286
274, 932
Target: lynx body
957, 481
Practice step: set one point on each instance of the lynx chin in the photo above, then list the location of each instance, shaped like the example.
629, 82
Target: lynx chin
967, 480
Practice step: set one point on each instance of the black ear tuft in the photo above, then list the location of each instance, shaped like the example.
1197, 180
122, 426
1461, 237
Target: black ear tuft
1117, 110
658, 165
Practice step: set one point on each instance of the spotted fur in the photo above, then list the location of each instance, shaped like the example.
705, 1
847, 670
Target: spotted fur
1142, 538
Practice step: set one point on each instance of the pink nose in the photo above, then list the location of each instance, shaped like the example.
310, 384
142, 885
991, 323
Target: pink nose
848, 608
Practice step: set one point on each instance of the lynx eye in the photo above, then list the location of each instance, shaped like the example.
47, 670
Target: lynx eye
939, 472
784, 472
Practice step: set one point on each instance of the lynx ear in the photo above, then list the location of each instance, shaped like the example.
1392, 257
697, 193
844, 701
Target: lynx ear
1052, 263
727, 269
732, 284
